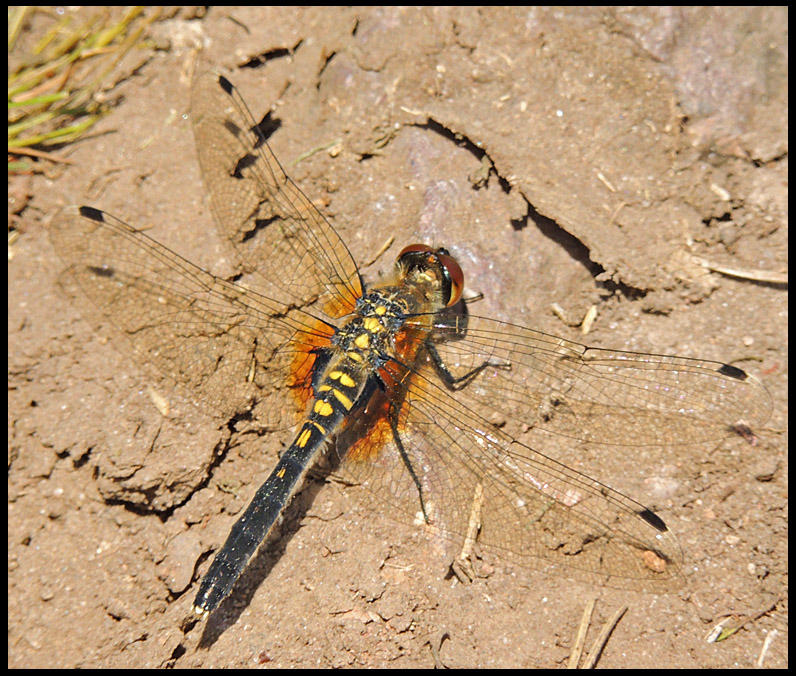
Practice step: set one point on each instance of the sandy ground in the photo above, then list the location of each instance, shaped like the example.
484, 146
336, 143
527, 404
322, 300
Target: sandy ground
578, 157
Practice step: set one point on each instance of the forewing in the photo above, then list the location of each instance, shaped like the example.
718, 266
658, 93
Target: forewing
600, 396
275, 229
224, 344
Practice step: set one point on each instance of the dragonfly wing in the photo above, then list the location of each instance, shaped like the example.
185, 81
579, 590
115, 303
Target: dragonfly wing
223, 343
275, 229
534, 511
601, 396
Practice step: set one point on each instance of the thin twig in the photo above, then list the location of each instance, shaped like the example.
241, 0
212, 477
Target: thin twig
33, 152
766, 645
380, 252
580, 637
602, 639
754, 275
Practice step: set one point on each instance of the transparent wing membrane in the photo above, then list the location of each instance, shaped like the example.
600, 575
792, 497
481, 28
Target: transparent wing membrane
226, 345
275, 229
602, 396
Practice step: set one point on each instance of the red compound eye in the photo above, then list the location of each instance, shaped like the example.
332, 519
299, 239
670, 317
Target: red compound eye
455, 275
415, 248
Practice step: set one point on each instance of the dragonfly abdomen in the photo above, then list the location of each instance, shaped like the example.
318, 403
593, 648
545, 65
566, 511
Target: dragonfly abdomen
336, 396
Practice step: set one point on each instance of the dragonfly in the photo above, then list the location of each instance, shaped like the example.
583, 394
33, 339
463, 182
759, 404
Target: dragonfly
396, 385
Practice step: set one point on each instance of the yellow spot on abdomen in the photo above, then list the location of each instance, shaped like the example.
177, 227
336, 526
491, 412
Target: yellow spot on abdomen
346, 380
362, 341
322, 408
344, 400
304, 437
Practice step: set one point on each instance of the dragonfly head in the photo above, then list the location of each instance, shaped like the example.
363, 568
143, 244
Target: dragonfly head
434, 265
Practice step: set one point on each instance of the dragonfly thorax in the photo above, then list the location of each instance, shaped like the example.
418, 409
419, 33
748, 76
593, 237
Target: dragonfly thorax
367, 337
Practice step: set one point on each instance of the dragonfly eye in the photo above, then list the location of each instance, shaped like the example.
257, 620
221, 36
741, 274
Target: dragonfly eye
424, 256
454, 274
412, 249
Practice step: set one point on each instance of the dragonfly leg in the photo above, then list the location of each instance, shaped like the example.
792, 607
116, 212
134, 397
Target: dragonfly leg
457, 383
393, 418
